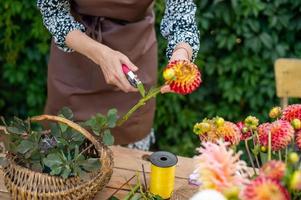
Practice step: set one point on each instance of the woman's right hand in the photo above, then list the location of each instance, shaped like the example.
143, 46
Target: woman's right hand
109, 60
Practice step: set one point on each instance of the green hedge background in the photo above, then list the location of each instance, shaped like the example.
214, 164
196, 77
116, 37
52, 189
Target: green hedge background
240, 40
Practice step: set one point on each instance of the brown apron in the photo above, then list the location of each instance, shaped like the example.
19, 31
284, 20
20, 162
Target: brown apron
78, 83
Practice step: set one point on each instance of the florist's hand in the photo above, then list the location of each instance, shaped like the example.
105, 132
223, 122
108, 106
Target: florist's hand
110, 62
179, 54
166, 89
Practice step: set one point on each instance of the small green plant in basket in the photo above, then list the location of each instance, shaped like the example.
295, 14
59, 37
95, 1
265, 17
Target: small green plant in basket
59, 150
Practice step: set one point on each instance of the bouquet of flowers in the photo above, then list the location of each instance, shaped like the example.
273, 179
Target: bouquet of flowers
272, 150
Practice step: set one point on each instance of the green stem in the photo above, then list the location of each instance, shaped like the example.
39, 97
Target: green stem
280, 156
250, 156
153, 93
132, 192
141, 189
293, 144
286, 154
254, 144
269, 146
118, 189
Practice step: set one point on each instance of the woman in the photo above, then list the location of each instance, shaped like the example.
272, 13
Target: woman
93, 38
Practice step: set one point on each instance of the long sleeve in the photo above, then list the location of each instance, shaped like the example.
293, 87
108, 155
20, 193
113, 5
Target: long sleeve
179, 25
58, 20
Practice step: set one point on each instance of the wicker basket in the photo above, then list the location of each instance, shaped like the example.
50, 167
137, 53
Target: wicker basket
25, 184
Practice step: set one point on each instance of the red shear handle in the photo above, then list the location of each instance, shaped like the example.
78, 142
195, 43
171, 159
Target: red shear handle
125, 69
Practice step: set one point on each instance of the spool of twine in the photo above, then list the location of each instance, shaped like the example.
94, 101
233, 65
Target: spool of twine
162, 177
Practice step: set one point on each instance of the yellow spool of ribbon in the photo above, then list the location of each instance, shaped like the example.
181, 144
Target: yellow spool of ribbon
162, 177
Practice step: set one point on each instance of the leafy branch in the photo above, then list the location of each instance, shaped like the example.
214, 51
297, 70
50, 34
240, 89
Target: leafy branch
151, 94
57, 151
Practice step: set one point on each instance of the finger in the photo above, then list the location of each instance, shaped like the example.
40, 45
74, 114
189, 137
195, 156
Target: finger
119, 86
126, 86
125, 60
112, 80
166, 89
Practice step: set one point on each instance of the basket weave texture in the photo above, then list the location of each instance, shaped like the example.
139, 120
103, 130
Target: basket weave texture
25, 184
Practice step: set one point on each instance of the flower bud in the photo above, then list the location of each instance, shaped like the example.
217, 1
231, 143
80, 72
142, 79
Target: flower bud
295, 182
296, 123
169, 74
263, 149
293, 157
231, 193
275, 112
201, 128
251, 122
219, 121
244, 130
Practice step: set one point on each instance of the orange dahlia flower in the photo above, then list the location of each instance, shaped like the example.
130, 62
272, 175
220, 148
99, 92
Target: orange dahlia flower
273, 169
182, 76
219, 167
264, 188
292, 112
226, 131
298, 138
282, 133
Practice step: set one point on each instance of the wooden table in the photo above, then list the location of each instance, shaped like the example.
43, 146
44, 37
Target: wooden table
127, 162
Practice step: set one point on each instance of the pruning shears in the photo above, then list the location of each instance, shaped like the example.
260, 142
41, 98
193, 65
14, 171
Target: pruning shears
133, 79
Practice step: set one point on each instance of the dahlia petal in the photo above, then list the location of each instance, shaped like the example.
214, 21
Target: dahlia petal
264, 188
273, 169
282, 133
219, 167
292, 112
186, 77
298, 139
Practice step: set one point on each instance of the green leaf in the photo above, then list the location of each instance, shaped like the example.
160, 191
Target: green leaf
80, 158
66, 173
108, 138
56, 170
62, 142
81, 173
36, 166
32, 154
96, 123
66, 112
76, 136
20, 124
256, 150
63, 127
90, 164
53, 159
15, 130
55, 130
112, 118
157, 197
113, 198
24, 146
35, 137
266, 39
76, 151
136, 196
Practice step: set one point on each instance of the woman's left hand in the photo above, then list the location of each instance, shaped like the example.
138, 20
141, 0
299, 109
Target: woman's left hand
179, 54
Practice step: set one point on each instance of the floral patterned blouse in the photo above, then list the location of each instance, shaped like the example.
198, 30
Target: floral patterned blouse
178, 24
